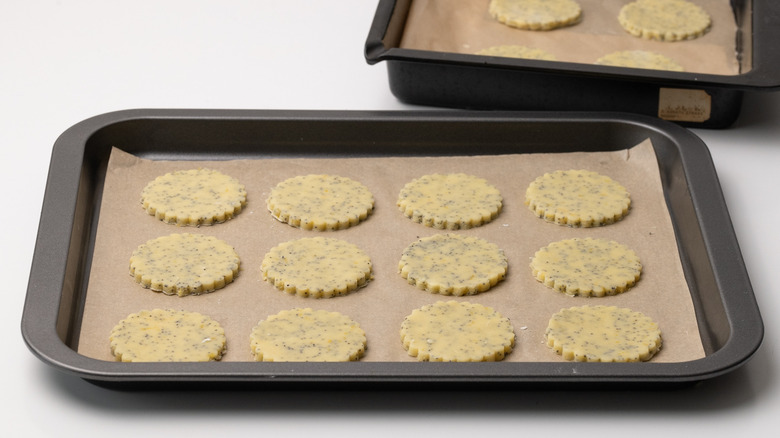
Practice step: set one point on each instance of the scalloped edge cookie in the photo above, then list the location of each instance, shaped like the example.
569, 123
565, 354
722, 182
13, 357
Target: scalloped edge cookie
307, 335
587, 267
515, 51
450, 201
455, 331
320, 202
194, 197
317, 267
603, 334
453, 264
184, 264
166, 335
664, 20
578, 198
535, 14
639, 59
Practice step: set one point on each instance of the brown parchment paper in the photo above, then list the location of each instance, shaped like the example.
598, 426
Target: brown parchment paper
465, 26
380, 307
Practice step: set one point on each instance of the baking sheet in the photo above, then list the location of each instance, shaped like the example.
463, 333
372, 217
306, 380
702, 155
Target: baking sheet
465, 26
662, 293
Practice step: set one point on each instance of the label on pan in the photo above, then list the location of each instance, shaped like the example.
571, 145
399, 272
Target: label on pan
684, 105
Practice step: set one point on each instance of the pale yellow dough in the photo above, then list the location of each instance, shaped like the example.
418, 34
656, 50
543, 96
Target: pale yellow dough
535, 14
194, 197
603, 334
513, 51
307, 335
450, 201
167, 336
587, 267
664, 20
320, 202
184, 264
317, 267
457, 332
639, 59
578, 198
453, 264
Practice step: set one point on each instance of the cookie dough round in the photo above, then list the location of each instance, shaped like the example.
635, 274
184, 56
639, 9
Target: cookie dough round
535, 14
317, 267
167, 336
307, 335
320, 202
513, 51
603, 334
457, 332
453, 264
587, 267
578, 198
184, 264
639, 59
450, 201
664, 20
194, 197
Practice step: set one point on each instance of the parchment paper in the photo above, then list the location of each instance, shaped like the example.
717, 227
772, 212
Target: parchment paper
380, 307
465, 26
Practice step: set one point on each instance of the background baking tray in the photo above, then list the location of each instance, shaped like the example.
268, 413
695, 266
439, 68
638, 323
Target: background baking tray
460, 80
729, 320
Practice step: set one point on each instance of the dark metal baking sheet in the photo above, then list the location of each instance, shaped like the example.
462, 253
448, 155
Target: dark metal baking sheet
729, 320
478, 82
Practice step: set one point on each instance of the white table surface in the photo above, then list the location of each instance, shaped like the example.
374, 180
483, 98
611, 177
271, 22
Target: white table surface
62, 61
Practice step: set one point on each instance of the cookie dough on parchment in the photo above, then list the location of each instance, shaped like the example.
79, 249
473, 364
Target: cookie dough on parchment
455, 331
664, 20
515, 51
194, 197
307, 335
535, 14
317, 267
578, 198
587, 267
450, 201
639, 59
453, 264
184, 264
167, 336
320, 202
603, 334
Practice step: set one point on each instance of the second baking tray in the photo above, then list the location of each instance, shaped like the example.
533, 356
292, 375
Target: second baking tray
729, 321
462, 80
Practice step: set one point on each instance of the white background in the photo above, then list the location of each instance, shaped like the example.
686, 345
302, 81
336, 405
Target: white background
64, 61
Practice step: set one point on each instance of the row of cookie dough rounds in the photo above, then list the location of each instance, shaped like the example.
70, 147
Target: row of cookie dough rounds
196, 197
444, 331
664, 20
451, 264
622, 58
320, 267
577, 198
